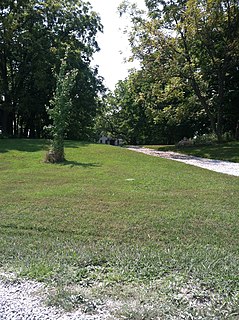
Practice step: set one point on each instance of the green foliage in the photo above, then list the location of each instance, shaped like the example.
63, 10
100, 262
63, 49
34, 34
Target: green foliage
142, 112
188, 51
34, 36
124, 112
60, 111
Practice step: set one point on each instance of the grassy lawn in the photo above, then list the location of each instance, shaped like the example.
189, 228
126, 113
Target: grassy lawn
156, 236
226, 151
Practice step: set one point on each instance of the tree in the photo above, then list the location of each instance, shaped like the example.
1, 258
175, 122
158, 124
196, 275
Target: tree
34, 36
124, 114
143, 111
193, 41
60, 112
85, 102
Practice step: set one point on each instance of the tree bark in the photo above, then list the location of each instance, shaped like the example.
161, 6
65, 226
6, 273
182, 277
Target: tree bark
237, 131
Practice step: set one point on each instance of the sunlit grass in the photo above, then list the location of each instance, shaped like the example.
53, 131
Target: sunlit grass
121, 224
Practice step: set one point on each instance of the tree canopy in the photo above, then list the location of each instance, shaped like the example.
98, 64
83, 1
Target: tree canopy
188, 80
34, 36
187, 83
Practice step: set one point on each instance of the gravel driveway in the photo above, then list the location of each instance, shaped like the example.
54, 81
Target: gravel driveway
225, 167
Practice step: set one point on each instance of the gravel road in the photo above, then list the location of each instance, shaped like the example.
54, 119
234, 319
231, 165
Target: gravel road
225, 167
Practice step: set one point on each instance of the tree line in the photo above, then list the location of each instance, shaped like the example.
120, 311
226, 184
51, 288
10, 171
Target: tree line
187, 83
34, 37
188, 80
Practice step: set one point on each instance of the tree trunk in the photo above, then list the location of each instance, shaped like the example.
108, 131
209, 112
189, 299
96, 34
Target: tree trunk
237, 131
204, 104
7, 123
6, 105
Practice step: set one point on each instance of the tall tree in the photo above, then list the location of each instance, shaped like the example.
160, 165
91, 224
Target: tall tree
34, 35
144, 111
194, 41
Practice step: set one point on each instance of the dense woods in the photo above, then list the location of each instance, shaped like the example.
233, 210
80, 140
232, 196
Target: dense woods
34, 36
187, 84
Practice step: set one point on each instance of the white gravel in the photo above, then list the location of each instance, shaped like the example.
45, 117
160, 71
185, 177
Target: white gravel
26, 300
225, 167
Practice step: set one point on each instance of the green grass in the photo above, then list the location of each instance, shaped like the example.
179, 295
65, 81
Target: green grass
225, 151
157, 236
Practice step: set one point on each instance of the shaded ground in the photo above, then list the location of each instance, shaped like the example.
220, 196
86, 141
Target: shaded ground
228, 151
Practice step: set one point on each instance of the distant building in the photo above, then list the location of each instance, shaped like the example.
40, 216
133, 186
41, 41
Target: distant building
111, 141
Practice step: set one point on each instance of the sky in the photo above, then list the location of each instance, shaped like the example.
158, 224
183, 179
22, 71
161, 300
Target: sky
113, 42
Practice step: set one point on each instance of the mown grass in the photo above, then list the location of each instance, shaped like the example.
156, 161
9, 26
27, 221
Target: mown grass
222, 151
158, 237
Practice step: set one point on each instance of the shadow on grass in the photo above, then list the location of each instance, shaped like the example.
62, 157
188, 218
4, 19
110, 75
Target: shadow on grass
9, 228
75, 144
79, 164
34, 145
25, 145
226, 151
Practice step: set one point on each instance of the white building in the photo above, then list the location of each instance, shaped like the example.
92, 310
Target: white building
112, 141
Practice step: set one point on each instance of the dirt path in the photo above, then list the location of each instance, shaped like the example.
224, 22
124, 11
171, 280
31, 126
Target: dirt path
225, 167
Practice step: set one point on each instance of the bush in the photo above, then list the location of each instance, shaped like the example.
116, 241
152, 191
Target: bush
205, 139
211, 138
